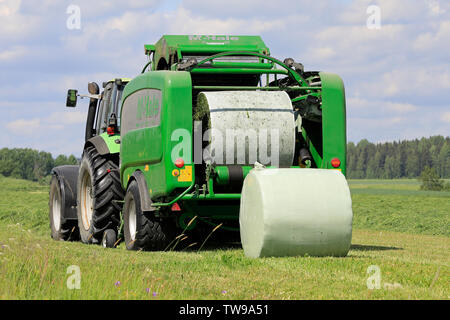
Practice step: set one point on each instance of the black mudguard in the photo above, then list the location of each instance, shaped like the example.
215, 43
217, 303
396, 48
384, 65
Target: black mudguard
99, 144
67, 177
146, 202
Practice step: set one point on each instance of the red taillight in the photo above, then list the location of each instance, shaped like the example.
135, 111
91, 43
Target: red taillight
176, 207
335, 162
110, 131
179, 163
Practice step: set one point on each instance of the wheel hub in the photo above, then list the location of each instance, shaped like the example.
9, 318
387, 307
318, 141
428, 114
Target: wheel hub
56, 211
87, 203
132, 220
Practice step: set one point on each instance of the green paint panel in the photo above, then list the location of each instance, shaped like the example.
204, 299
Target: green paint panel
171, 46
111, 142
149, 149
333, 120
327, 140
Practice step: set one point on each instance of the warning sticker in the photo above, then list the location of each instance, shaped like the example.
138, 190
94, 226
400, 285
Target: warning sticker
185, 174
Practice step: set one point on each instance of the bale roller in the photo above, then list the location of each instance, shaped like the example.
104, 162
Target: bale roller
216, 135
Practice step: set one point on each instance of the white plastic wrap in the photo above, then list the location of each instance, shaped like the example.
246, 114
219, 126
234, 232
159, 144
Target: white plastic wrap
294, 212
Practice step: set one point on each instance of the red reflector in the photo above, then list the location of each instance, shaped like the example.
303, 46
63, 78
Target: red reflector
336, 163
110, 131
179, 163
176, 207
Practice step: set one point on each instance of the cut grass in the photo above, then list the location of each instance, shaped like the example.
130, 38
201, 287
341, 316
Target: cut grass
399, 205
32, 266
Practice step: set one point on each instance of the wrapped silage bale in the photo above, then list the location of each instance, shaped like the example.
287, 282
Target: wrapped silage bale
295, 212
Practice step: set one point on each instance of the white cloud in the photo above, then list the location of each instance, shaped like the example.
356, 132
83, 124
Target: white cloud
14, 25
392, 12
184, 21
9, 7
358, 42
249, 9
379, 106
12, 53
382, 120
445, 117
24, 127
435, 8
372, 126
55, 121
54, 88
402, 10
323, 53
429, 41
73, 117
408, 82
130, 24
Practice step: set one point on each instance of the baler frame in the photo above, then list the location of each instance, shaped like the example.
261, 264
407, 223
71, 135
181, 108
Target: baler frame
249, 68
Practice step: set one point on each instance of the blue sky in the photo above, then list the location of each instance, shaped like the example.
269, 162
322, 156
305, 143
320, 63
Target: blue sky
397, 77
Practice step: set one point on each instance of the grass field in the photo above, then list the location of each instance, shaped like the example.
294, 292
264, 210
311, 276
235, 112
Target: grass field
399, 229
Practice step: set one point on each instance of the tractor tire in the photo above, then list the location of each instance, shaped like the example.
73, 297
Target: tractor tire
98, 190
62, 229
109, 238
142, 230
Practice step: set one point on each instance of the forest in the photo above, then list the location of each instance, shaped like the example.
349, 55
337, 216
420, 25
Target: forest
365, 160
30, 164
398, 159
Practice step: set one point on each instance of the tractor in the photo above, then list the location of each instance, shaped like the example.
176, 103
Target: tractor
215, 133
72, 187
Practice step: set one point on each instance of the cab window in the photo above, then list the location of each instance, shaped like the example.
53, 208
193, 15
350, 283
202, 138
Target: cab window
111, 103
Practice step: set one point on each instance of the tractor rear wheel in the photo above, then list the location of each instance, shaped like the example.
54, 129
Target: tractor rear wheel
99, 189
142, 230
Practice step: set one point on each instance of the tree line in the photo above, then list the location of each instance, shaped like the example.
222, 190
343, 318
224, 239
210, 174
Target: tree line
365, 160
398, 159
30, 164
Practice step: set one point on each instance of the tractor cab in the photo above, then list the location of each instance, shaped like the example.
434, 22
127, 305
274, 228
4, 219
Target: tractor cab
110, 107
104, 109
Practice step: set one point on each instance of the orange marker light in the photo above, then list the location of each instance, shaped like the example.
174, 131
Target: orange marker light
110, 131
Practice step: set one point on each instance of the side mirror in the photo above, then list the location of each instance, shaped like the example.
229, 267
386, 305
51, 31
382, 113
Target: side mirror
71, 98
